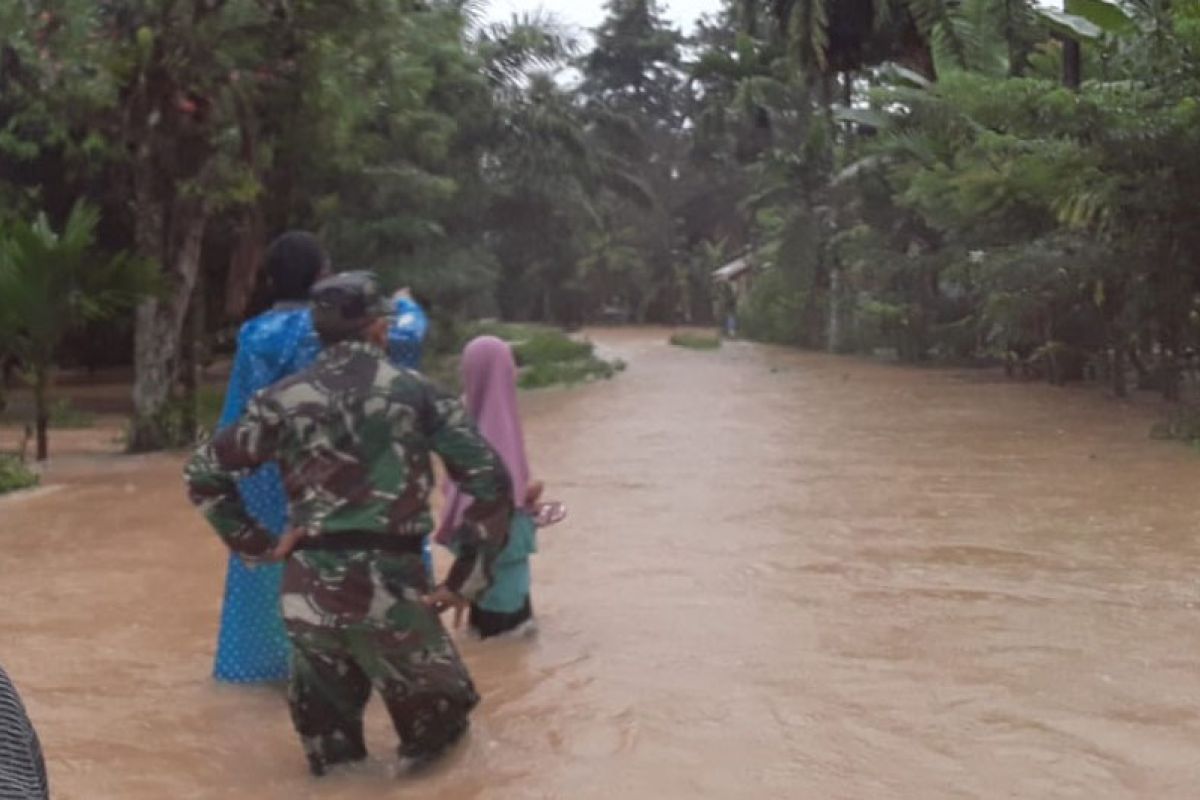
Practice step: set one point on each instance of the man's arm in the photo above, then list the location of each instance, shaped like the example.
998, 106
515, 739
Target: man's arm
480, 473
214, 469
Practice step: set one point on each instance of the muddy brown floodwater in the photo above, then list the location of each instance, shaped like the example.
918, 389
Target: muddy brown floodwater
784, 576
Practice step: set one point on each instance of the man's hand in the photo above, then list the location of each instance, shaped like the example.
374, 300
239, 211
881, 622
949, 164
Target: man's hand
442, 599
286, 544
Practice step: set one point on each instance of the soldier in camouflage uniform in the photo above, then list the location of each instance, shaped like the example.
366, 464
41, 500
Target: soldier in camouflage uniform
353, 437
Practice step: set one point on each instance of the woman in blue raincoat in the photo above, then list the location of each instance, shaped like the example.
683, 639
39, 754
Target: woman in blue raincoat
252, 646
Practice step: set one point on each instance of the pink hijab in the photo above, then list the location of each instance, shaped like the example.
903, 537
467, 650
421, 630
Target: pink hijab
489, 377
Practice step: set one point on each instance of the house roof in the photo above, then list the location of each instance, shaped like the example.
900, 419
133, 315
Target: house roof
733, 270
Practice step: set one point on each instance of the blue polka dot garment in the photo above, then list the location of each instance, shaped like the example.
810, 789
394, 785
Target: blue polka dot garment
252, 646
407, 334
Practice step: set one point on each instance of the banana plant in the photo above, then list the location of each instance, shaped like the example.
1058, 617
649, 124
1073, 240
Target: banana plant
52, 281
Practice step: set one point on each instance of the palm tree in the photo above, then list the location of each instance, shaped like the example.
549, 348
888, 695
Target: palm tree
529, 42
547, 165
844, 36
51, 282
832, 36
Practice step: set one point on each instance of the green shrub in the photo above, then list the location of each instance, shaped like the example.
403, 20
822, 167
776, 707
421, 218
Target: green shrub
172, 418
566, 373
774, 311
532, 344
14, 475
1182, 424
697, 341
65, 416
545, 356
549, 347
508, 331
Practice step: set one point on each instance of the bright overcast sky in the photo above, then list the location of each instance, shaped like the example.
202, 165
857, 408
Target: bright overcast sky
590, 13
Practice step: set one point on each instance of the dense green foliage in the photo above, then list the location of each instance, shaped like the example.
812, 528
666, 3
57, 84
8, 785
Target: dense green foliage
1021, 217
418, 142
978, 180
545, 356
696, 341
51, 282
14, 475
983, 179
65, 416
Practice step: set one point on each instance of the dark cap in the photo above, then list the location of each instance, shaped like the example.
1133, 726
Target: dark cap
343, 305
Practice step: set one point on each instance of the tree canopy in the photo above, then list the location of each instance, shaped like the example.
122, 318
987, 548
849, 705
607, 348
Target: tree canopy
949, 179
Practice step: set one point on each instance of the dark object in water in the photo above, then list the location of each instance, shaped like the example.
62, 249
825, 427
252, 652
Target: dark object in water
22, 768
496, 623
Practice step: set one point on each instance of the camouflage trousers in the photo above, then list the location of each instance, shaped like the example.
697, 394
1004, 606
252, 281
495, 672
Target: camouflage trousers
405, 655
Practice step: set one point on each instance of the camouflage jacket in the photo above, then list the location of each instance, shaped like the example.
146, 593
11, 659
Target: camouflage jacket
353, 438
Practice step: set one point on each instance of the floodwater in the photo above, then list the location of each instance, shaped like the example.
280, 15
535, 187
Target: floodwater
784, 576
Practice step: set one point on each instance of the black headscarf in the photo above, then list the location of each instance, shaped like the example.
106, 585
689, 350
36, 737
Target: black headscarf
294, 262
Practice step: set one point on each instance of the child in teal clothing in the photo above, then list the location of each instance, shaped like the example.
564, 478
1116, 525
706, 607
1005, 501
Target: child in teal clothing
507, 606
489, 376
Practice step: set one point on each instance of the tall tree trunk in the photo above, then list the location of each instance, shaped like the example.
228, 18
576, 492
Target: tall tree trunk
1139, 366
160, 324
835, 331
244, 264
41, 405
1170, 377
1120, 386
748, 17
1072, 63
1051, 348
1115, 337
1012, 38
190, 363
827, 86
170, 150
643, 306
